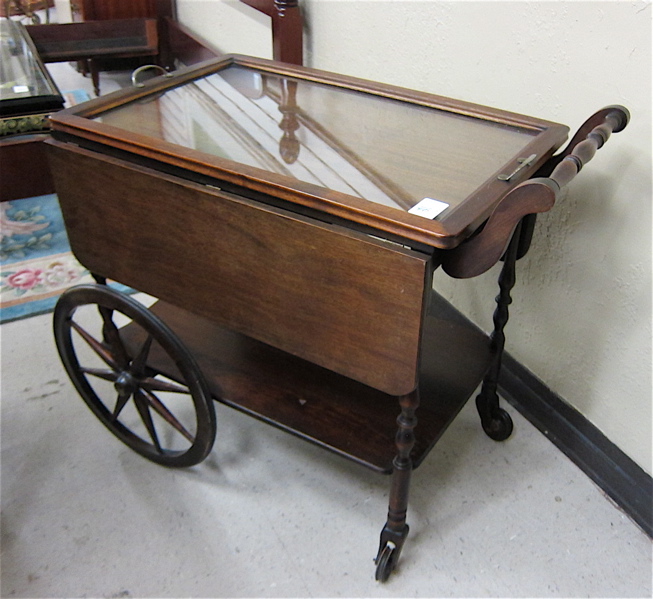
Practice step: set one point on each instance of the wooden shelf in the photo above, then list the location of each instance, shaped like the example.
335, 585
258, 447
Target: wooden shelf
318, 405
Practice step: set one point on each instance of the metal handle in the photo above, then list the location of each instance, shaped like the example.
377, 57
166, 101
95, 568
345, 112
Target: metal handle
145, 67
522, 163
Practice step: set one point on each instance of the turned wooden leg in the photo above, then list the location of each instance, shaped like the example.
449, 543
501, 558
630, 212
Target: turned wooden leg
95, 75
495, 420
395, 531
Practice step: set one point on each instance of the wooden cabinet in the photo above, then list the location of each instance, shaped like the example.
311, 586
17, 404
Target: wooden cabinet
28, 97
99, 10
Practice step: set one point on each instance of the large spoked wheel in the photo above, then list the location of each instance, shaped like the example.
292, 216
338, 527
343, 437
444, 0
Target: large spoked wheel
167, 419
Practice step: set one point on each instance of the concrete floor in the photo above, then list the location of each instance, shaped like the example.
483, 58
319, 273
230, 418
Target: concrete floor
268, 515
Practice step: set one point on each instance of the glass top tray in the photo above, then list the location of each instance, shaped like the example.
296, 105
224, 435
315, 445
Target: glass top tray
408, 164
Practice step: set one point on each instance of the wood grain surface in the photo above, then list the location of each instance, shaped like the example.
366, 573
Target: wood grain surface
335, 297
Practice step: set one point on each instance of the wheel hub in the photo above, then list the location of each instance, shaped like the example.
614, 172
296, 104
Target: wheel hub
125, 383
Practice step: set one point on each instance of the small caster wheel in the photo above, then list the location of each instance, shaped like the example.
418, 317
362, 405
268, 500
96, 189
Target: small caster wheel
385, 562
500, 427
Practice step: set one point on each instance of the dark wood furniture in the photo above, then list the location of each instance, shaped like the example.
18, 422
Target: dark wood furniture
287, 23
146, 30
92, 41
178, 45
27, 98
290, 221
111, 10
183, 47
100, 10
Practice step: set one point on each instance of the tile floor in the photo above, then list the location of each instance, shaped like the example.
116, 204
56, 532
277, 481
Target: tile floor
268, 515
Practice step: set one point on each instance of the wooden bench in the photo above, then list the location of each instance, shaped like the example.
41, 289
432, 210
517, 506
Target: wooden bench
93, 40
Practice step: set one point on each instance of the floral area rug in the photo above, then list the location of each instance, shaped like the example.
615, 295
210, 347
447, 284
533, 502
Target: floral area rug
36, 264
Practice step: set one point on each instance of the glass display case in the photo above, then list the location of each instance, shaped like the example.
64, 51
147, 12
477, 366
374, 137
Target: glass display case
28, 96
27, 92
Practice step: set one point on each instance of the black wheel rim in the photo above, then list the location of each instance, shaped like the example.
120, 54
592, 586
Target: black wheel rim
170, 421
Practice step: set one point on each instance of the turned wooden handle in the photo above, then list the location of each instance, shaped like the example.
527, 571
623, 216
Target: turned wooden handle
480, 252
584, 145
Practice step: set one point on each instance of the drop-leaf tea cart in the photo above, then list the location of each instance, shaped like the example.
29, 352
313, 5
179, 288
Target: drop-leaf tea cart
289, 221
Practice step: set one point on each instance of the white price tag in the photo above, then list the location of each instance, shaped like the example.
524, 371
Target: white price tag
428, 208
20, 89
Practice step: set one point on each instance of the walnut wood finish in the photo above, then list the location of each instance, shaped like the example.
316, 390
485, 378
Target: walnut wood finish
287, 35
395, 530
316, 291
93, 40
481, 252
73, 41
315, 327
445, 233
24, 168
332, 411
585, 143
186, 424
111, 10
495, 420
99, 10
187, 48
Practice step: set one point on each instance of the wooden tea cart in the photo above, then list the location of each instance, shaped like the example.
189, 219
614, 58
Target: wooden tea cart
289, 221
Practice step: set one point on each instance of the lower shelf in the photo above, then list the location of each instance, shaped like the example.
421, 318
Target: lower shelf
328, 409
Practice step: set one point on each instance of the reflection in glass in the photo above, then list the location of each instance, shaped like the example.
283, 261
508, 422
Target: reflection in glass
20, 73
384, 150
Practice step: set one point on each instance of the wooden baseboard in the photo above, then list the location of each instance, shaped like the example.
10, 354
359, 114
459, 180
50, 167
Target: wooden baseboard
626, 483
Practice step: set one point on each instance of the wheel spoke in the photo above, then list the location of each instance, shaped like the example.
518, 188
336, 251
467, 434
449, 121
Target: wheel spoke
107, 375
138, 365
121, 402
162, 412
166, 414
142, 406
152, 384
96, 346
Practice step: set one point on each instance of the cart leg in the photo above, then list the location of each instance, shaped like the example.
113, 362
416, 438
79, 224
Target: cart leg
95, 76
395, 531
109, 329
496, 422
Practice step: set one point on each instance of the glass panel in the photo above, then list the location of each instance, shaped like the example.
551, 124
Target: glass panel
384, 150
21, 74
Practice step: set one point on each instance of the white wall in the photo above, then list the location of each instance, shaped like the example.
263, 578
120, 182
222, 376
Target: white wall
63, 11
581, 318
